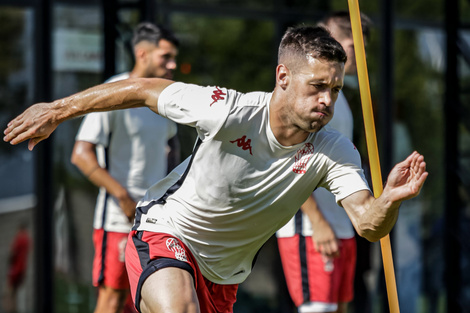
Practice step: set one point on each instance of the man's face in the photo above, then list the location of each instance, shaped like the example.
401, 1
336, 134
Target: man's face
312, 92
161, 60
346, 41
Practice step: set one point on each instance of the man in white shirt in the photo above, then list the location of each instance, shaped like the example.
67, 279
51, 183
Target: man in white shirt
318, 246
258, 158
124, 152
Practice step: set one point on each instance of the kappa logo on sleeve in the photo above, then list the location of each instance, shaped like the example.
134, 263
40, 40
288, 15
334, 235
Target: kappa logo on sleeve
173, 245
302, 157
217, 95
243, 143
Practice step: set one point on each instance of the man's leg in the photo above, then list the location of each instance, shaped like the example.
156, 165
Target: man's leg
10, 299
348, 264
164, 277
342, 307
129, 304
110, 300
169, 290
109, 271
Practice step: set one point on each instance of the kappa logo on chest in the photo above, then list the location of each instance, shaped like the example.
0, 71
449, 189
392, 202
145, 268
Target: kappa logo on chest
244, 143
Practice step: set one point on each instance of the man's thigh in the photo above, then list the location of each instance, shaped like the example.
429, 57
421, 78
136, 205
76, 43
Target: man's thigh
164, 265
169, 290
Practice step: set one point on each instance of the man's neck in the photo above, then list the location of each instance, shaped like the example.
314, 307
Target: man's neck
286, 133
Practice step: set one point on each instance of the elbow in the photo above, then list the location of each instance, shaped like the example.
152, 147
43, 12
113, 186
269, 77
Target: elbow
78, 159
370, 236
75, 159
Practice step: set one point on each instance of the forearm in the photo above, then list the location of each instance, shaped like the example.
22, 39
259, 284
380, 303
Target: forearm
372, 218
100, 177
84, 158
38, 121
310, 208
123, 94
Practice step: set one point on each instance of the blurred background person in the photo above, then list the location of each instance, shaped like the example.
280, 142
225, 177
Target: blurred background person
17, 265
124, 152
318, 246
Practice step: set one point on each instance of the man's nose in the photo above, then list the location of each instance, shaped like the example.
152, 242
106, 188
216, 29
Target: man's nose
171, 65
327, 98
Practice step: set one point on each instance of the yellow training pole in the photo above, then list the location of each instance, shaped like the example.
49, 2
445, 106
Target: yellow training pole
369, 125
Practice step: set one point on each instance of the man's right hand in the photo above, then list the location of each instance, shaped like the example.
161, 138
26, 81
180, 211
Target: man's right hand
36, 123
128, 207
324, 239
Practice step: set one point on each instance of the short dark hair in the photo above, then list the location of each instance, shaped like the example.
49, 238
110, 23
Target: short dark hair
300, 41
152, 33
343, 21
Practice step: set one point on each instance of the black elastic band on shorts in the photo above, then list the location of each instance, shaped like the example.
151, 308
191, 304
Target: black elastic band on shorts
104, 245
162, 200
156, 265
303, 256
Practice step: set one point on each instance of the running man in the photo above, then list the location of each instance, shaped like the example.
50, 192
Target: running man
259, 157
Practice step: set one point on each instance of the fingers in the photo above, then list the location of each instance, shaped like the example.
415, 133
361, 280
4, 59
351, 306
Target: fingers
34, 124
8, 132
418, 172
18, 134
407, 178
13, 132
415, 162
32, 143
328, 248
418, 166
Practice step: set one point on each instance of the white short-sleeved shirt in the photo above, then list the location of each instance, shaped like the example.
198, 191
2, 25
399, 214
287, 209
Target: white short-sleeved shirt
241, 184
336, 216
132, 145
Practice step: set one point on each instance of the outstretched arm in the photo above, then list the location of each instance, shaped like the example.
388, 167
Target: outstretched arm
38, 121
374, 218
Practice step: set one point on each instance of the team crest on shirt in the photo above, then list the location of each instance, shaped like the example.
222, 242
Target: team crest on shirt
217, 95
301, 158
173, 245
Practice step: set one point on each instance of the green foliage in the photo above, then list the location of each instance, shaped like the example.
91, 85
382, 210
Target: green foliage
232, 53
432, 10
11, 51
71, 296
419, 92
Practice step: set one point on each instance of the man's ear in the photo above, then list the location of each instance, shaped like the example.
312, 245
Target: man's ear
140, 53
282, 76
